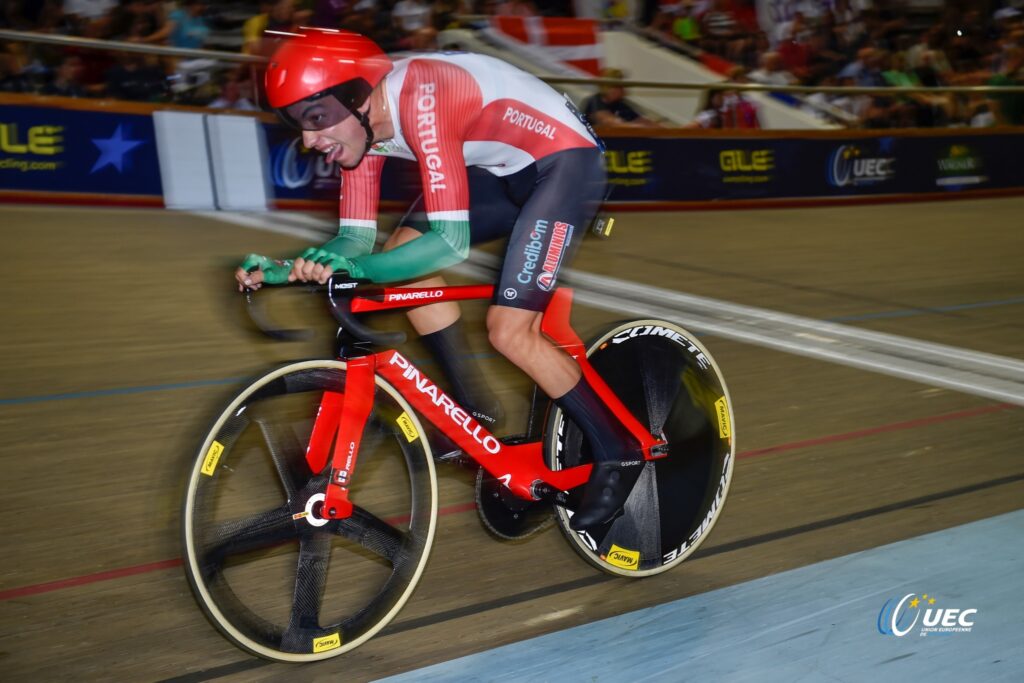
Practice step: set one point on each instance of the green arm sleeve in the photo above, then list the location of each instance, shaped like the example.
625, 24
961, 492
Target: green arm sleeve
352, 241
446, 244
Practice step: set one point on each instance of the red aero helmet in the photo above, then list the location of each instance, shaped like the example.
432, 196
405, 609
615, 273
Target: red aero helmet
324, 62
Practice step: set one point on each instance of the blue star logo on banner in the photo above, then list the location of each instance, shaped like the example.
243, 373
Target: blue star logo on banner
113, 150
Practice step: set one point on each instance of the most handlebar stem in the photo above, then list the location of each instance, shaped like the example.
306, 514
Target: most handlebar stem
340, 289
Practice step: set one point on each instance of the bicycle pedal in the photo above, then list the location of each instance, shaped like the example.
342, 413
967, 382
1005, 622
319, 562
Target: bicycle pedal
456, 457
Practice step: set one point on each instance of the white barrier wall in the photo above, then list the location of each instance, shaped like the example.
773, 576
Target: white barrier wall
238, 156
184, 160
212, 161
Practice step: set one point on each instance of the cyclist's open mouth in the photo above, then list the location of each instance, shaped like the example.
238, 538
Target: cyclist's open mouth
333, 152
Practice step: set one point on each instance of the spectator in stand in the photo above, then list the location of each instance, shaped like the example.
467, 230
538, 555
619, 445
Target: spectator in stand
880, 111
822, 62
794, 46
851, 28
929, 42
736, 110
516, 8
755, 47
330, 13
137, 77
89, 16
423, 40
148, 22
661, 28
685, 26
12, 16
1008, 108
186, 25
858, 68
1010, 37
367, 20
872, 64
231, 96
446, 13
609, 107
727, 109
280, 16
67, 81
905, 111
832, 107
710, 114
11, 78
722, 32
771, 71
252, 30
797, 29
940, 106
411, 15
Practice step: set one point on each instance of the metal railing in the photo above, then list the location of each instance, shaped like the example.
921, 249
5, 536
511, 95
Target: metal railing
216, 55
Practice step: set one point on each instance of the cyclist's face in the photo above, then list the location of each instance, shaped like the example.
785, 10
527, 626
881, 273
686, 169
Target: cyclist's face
343, 142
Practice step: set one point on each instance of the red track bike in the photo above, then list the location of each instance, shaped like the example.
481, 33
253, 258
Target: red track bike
312, 503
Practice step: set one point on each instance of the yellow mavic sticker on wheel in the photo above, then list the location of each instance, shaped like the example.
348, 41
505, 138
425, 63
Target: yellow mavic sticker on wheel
405, 423
212, 457
331, 642
722, 409
622, 558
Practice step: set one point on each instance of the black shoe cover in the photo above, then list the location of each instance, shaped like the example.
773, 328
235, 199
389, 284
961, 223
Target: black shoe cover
606, 492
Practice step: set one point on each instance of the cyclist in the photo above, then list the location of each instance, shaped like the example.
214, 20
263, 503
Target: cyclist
501, 154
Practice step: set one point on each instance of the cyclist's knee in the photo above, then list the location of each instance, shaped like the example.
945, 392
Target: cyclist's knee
513, 332
400, 236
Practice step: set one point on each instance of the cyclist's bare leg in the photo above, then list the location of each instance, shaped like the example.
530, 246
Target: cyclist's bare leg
516, 334
441, 332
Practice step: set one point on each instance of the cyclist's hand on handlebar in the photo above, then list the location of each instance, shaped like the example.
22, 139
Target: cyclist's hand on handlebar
317, 265
257, 270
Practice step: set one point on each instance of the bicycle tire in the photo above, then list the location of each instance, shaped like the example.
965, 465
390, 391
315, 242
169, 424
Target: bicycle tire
266, 572
673, 386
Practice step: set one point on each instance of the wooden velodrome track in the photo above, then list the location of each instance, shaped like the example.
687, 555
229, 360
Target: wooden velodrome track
122, 336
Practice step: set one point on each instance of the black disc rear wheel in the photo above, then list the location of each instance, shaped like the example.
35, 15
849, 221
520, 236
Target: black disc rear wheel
671, 384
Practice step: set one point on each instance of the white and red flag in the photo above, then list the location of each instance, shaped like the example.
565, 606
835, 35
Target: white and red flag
566, 40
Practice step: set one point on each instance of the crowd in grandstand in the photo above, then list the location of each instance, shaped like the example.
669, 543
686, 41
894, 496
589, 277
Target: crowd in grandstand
872, 43
876, 43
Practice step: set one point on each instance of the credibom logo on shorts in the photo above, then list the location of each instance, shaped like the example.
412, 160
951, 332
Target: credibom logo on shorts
560, 237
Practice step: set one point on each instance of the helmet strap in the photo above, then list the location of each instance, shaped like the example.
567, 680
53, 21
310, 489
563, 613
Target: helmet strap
364, 119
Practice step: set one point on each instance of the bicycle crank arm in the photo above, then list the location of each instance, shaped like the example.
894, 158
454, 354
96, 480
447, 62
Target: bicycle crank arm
549, 494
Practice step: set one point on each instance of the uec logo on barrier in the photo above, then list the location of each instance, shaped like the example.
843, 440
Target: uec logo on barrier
899, 618
849, 166
293, 169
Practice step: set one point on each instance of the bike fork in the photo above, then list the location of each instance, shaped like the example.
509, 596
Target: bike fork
342, 419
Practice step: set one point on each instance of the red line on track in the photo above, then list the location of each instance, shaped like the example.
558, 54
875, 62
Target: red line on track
88, 578
123, 572
871, 431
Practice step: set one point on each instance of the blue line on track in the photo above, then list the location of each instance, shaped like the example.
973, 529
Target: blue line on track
121, 391
910, 312
118, 391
